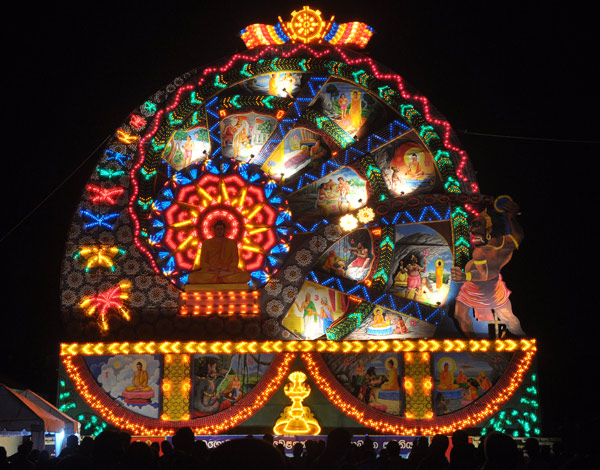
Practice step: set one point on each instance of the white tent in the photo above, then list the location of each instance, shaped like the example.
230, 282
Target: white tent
72, 426
18, 414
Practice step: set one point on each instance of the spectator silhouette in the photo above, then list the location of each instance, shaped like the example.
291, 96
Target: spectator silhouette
296, 462
501, 452
394, 459
181, 457
108, 450
418, 452
535, 459
3, 459
462, 455
246, 454
436, 454
20, 460
337, 451
139, 456
71, 448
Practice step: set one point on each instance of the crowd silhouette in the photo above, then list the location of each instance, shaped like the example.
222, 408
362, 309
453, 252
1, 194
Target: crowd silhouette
113, 450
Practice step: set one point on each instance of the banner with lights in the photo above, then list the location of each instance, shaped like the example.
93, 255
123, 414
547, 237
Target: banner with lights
296, 205
398, 387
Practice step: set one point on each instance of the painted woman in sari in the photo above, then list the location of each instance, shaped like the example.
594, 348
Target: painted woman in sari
356, 110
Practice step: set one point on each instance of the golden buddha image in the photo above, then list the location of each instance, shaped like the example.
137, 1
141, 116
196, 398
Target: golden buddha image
219, 260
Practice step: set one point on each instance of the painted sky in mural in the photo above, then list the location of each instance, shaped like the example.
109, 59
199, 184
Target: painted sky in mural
132, 380
285, 84
349, 106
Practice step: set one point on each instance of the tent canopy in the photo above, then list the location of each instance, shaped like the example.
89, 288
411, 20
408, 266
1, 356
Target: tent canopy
71, 425
18, 413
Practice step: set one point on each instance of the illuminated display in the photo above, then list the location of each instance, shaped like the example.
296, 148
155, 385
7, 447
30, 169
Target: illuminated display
99, 256
194, 200
307, 26
320, 346
297, 419
363, 161
101, 304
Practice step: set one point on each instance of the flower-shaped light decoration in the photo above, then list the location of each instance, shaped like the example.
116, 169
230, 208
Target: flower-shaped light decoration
237, 193
348, 222
365, 215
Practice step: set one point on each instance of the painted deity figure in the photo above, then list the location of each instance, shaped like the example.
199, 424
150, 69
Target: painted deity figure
219, 260
139, 382
447, 379
414, 170
392, 384
483, 288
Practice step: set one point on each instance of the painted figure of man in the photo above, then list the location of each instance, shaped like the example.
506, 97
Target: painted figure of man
219, 260
343, 190
483, 288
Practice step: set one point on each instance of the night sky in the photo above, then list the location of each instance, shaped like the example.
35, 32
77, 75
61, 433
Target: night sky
506, 69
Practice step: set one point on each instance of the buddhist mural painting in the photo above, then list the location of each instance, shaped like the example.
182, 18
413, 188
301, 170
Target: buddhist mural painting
186, 147
407, 167
341, 191
351, 257
461, 378
374, 379
284, 85
301, 149
243, 135
383, 323
133, 380
349, 106
421, 264
314, 310
221, 380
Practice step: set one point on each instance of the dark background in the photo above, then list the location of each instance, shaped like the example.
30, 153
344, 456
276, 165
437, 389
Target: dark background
507, 69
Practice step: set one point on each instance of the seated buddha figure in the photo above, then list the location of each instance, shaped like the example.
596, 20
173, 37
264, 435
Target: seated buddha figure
379, 320
139, 392
219, 260
447, 379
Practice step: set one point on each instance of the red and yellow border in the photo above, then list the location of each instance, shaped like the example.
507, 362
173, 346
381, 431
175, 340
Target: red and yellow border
523, 353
